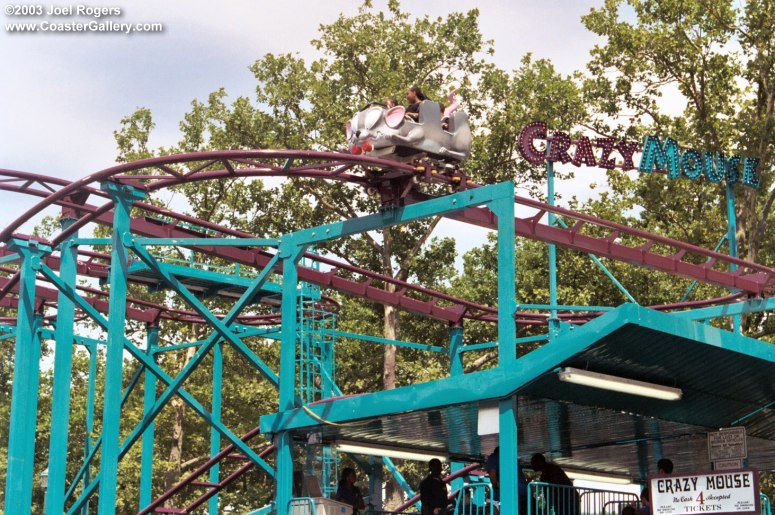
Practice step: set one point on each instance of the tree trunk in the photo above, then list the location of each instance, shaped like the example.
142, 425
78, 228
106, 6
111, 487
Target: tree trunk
176, 447
390, 332
393, 491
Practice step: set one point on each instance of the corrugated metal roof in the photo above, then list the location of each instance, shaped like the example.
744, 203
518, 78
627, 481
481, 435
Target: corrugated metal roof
726, 380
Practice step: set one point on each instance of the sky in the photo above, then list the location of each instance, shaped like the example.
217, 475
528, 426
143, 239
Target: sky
63, 95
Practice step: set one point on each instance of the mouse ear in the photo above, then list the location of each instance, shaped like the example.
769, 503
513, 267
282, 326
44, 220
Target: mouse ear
395, 117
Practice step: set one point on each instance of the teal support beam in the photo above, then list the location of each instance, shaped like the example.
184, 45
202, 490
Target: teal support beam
88, 446
246, 332
173, 386
725, 310
123, 197
507, 302
149, 398
695, 282
507, 439
24, 393
456, 350
221, 327
604, 269
455, 369
732, 239
400, 479
554, 320
491, 345
10, 258
63, 369
495, 195
289, 254
215, 437
284, 472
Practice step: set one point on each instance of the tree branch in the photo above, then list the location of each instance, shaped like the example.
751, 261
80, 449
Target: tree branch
403, 270
347, 213
480, 362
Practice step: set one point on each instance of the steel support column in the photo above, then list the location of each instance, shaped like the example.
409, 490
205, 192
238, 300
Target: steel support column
24, 395
507, 303
88, 444
732, 239
554, 321
215, 436
507, 412
149, 398
290, 254
123, 198
63, 367
455, 369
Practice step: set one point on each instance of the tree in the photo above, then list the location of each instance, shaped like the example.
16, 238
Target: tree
721, 60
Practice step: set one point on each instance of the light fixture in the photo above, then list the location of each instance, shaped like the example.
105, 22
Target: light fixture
585, 476
390, 452
618, 384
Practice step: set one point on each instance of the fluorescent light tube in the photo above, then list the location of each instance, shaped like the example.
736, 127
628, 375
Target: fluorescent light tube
601, 479
618, 384
390, 452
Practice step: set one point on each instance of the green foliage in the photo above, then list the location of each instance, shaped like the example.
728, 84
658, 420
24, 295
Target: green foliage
717, 55
510, 101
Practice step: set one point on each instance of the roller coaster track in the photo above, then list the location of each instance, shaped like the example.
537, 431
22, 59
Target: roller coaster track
394, 181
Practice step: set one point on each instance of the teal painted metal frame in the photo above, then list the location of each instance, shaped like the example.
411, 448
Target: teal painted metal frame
500, 200
24, 397
63, 364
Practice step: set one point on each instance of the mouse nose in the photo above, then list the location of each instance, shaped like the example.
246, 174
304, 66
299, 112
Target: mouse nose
358, 133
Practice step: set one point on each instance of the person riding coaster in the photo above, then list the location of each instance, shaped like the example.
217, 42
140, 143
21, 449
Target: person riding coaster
389, 134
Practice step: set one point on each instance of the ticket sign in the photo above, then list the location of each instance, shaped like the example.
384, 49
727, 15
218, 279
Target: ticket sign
721, 492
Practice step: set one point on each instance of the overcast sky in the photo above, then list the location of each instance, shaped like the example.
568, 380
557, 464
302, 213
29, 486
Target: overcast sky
64, 94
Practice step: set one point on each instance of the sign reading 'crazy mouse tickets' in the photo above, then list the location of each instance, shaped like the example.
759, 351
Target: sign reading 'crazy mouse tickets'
730, 491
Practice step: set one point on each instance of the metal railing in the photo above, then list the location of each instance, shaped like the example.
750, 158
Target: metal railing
766, 507
475, 499
548, 499
301, 506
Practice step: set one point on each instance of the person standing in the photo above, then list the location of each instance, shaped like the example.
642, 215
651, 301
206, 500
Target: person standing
565, 501
433, 490
348, 493
493, 467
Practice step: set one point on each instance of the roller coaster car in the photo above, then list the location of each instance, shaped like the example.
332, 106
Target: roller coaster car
389, 134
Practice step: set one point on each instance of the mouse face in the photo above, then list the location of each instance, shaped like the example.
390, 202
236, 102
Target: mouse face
373, 129
387, 133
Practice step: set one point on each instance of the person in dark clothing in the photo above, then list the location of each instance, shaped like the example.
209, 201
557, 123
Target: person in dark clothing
645, 502
565, 501
433, 490
493, 467
414, 96
348, 493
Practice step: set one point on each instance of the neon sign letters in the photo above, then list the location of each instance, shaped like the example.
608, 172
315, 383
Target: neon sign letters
655, 155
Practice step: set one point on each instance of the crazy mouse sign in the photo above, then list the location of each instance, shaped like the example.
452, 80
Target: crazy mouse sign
720, 492
654, 155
